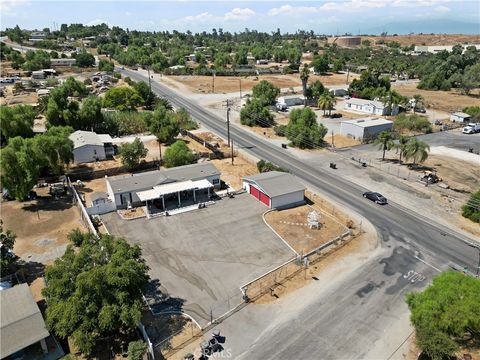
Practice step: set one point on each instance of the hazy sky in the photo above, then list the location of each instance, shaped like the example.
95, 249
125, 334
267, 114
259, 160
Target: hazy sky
331, 17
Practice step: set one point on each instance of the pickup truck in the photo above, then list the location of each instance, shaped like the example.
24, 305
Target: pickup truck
471, 128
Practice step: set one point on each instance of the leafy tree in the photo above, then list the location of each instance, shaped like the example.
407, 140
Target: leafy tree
147, 95
474, 111
16, 121
304, 75
164, 125
385, 142
446, 313
471, 78
184, 120
326, 101
7, 239
338, 65
417, 150
178, 154
303, 130
54, 150
90, 114
401, 146
316, 90
20, 167
320, 64
77, 237
471, 210
266, 92
122, 98
163, 102
105, 65
85, 59
95, 292
132, 153
254, 113
136, 349
418, 101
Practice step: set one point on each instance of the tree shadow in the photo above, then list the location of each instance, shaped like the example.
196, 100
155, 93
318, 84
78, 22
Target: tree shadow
49, 203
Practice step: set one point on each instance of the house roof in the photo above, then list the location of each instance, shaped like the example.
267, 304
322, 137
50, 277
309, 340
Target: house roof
367, 122
21, 322
275, 183
355, 101
81, 138
98, 195
147, 180
462, 114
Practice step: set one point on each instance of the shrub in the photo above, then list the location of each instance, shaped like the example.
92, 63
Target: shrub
280, 130
413, 122
136, 349
266, 166
471, 210
76, 237
178, 154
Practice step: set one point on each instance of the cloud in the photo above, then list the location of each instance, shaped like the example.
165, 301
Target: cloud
7, 6
292, 10
442, 9
203, 17
239, 14
98, 22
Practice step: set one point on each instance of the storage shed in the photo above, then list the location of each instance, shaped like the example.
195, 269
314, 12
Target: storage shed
275, 189
460, 117
366, 127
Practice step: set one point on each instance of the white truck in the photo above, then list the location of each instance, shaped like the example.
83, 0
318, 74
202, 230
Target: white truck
471, 128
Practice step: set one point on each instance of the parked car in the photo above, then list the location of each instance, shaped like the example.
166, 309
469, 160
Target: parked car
420, 110
281, 107
376, 197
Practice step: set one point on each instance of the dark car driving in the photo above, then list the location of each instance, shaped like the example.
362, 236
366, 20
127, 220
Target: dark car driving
375, 196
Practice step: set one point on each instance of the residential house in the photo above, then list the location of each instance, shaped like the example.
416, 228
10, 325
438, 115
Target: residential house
89, 146
372, 107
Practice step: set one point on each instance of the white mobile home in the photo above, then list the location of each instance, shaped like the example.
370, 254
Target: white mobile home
372, 107
292, 100
460, 117
89, 146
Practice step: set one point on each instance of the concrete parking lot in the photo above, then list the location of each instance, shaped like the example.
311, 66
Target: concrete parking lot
201, 258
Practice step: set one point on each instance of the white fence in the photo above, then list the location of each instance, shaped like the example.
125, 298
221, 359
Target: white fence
83, 212
101, 208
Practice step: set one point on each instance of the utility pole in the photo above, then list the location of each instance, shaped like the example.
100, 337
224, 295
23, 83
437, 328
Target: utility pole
333, 141
231, 150
160, 151
213, 81
228, 122
348, 72
149, 79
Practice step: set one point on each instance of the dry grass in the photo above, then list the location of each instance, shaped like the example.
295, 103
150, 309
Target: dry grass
341, 141
41, 225
232, 174
448, 101
292, 226
133, 213
435, 39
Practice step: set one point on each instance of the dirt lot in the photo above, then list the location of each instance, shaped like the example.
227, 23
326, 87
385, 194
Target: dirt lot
436, 39
232, 174
41, 225
341, 141
227, 84
448, 101
292, 226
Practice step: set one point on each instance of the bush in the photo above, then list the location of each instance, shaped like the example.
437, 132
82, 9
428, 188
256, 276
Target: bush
471, 210
255, 113
178, 155
280, 130
303, 130
266, 166
413, 122
132, 153
136, 349
76, 237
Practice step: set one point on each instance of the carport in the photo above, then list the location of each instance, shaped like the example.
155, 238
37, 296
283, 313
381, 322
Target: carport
160, 191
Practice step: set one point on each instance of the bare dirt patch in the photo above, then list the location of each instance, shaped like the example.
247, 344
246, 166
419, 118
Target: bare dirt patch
133, 213
341, 141
41, 225
232, 174
292, 226
448, 101
428, 39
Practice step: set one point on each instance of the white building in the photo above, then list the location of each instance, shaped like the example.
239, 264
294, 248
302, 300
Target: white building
292, 100
460, 117
89, 146
433, 49
63, 62
182, 183
275, 189
366, 127
372, 107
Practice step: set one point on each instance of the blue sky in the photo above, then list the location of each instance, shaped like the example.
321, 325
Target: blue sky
330, 17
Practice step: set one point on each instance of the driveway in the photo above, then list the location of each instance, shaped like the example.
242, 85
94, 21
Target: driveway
201, 258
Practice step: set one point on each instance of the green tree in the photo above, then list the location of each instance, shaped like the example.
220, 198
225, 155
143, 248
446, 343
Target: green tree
136, 349
401, 146
147, 95
471, 210
419, 101
316, 90
164, 125
446, 313
385, 142
105, 65
266, 92
7, 239
20, 167
417, 150
16, 121
471, 78
304, 75
303, 130
95, 292
77, 237
338, 65
122, 98
254, 113
85, 59
54, 150
90, 115
320, 64
326, 101
132, 153
178, 154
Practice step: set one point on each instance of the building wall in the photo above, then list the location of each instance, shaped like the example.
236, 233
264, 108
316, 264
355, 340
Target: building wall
359, 132
456, 118
89, 153
374, 130
288, 200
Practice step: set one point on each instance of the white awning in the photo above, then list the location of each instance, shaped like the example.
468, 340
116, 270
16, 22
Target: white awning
171, 188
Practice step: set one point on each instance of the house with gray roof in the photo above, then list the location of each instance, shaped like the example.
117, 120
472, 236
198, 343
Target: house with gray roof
21, 322
141, 188
89, 146
275, 189
372, 107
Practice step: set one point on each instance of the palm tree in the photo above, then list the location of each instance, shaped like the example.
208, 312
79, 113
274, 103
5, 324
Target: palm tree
418, 99
416, 150
326, 102
304, 75
401, 146
385, 142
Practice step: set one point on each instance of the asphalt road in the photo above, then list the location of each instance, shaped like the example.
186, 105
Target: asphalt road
359, 311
